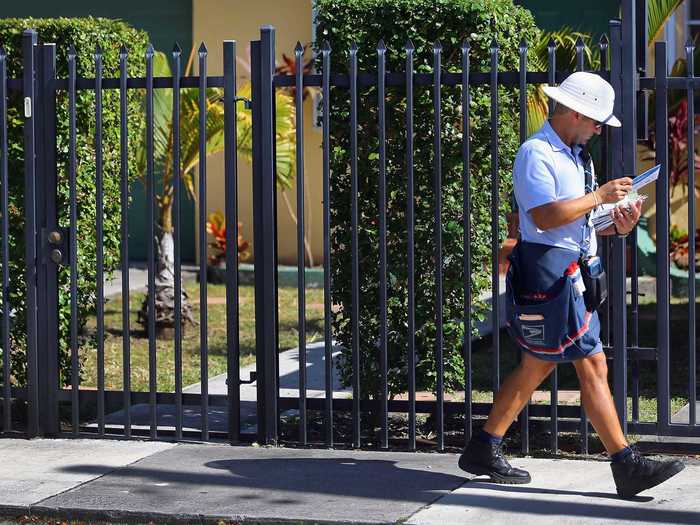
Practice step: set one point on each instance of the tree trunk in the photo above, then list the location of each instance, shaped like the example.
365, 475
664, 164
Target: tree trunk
165, 287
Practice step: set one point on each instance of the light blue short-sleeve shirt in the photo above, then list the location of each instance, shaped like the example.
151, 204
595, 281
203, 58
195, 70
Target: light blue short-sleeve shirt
547, 170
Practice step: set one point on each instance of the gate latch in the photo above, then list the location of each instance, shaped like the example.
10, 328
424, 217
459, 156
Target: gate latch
55, 243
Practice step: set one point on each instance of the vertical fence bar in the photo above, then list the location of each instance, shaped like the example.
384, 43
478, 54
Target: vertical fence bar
355, 241
410, 228
629, 155
150, 207
124, 168
437, 190
73, 198
583, 432
45, 110
522, 98
176, 232
605, 153
692, 384
99, 225
554, 392
203, 307
29, 40
467, 262
662, 231
301, 277
265, 229
328, 334
4, 204
495, 239
383, 357
231, 211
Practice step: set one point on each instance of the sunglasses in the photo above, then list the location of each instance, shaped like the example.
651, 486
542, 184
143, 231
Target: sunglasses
596, 124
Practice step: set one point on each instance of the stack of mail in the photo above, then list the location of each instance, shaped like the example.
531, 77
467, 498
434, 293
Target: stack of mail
601, 216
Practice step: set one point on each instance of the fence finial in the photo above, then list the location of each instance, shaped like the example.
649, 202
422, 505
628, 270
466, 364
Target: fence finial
437, 46
689, 45
604, 42
177, 50
123, 51
71, 52
551, 44
326, 47
299, 49
203, 51
494, 44
409, 45
381, 46
523, 45
579, 43
353, 48
98, 52
3, 55
149, 51
466, 45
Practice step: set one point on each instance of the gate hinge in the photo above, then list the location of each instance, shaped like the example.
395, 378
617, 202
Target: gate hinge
55, 246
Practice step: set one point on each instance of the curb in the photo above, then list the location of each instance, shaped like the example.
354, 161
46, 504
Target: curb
137, 518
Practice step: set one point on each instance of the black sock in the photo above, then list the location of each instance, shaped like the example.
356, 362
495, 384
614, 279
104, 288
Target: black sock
489, 439
620, 455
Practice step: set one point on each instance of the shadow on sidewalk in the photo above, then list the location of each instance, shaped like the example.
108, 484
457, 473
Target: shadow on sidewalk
251, 485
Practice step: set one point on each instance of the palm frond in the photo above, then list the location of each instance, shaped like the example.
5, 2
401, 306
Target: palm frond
658, 13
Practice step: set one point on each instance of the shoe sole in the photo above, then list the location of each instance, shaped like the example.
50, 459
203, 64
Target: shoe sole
673, 469
495, 477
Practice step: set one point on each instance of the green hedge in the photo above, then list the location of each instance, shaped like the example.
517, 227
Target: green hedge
342, 22
84, 34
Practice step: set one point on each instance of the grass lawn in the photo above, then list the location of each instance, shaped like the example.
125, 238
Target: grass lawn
216, 337
481, 359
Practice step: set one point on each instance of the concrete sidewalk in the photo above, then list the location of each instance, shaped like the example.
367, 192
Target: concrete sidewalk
141, 482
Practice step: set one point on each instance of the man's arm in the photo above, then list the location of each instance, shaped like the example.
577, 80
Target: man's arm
559, 213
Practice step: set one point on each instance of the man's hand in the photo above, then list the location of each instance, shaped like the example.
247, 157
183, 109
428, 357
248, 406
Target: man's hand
626, 219
614, 190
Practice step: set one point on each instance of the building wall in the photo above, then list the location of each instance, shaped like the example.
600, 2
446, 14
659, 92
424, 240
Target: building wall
166, 22
217, 20
591, 16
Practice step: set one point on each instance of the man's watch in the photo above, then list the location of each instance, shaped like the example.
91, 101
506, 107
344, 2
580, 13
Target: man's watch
617, 232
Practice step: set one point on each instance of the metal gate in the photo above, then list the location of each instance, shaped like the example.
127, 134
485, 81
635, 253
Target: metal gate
65, 409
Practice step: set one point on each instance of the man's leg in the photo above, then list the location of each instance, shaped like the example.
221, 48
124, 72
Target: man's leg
515, 392
632, 473
483, 456
592, 374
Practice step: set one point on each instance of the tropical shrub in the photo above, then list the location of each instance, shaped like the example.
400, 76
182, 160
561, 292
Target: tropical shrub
342, 23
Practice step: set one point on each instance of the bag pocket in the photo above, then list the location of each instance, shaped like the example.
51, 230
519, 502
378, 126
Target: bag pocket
540, 326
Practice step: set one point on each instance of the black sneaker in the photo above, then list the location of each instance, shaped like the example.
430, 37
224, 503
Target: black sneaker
485, 459
636, 473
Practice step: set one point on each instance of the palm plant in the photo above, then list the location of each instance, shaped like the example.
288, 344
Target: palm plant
189, 160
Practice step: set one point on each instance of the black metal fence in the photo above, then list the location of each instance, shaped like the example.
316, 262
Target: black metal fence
91, 412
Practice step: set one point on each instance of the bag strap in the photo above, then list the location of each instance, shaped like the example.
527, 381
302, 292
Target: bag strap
588, 173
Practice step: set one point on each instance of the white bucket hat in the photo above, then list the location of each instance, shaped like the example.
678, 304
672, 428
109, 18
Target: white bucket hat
588, 94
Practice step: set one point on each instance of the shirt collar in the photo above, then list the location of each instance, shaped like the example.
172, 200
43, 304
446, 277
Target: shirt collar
555, 140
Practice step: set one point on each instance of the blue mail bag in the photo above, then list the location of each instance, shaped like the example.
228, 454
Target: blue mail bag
545, 309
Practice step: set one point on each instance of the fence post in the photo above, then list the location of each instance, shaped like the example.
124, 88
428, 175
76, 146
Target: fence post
628, 79
663, 292
265, 232
47, 221
29, 41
